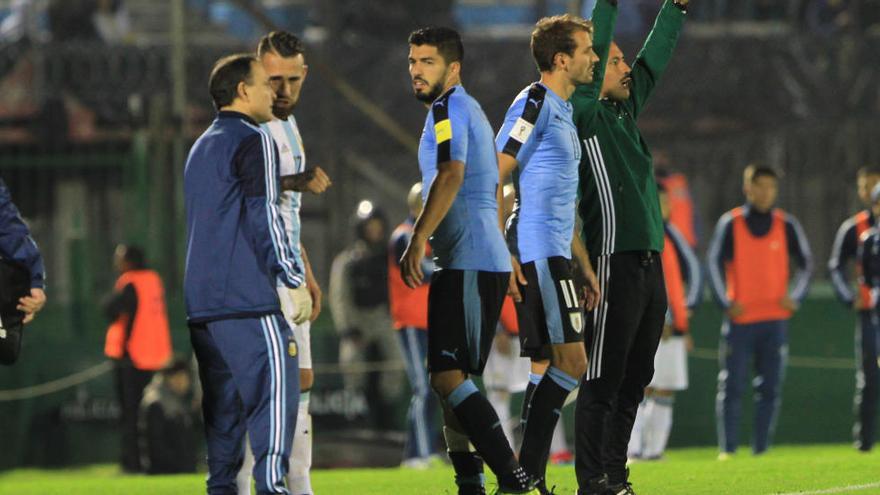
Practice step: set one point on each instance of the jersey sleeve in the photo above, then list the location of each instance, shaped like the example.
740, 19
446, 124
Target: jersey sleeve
800, 253
585, 99
451, 129
257, 169
842, 251
16, 242
524, 123
720, 252
652, 60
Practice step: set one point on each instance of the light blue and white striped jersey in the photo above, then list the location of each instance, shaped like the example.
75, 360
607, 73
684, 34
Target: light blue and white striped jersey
539, 132
468, 237
292, 161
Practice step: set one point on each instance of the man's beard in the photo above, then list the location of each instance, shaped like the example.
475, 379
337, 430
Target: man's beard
430, 96
281, 112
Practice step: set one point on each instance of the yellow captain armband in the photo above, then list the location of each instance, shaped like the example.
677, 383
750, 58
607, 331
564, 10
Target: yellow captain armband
443, 131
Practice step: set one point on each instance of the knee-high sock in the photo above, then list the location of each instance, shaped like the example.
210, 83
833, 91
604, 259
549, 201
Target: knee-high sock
500, 400
558, 443
660, 424
636, 444
468, 465
544, 413
298, 480
481, 424
534, 380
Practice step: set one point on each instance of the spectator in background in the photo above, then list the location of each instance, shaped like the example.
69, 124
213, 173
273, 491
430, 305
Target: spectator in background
166, 422
111, 21
828, 16
409, 315
360, 311
16, 244
138, 340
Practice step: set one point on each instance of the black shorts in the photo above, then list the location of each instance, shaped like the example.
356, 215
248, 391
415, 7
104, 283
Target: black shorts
550, 312
463, 311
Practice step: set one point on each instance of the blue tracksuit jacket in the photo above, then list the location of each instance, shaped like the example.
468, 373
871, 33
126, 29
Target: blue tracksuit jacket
15, 240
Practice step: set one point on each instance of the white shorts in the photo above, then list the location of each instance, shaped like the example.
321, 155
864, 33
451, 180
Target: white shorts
670, 365
301, 332
508, 372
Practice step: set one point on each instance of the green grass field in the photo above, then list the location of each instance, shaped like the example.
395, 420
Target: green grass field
785, 470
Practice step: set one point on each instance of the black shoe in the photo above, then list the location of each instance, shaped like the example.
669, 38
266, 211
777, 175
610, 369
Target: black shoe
624, 488
595, 486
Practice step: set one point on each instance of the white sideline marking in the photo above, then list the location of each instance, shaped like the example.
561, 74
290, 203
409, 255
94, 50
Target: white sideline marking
839, 489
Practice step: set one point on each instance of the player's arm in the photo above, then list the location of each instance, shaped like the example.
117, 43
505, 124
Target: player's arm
586, 96
515, 143
690, 267
582, 257
444, 189
314, 180
256, 164
844, 249
17, 244
451, 131
799, 252
867, 253
312, 285
654, 57
720, 252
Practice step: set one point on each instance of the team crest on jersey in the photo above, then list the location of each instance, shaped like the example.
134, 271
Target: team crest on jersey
577, 321
292, 350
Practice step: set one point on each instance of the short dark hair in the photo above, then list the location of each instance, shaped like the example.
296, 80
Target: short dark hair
554, 35
868, 170
764, 171
134, 256
283, 43
225, 76
447, 41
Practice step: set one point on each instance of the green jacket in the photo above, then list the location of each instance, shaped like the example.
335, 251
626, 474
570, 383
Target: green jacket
618, 193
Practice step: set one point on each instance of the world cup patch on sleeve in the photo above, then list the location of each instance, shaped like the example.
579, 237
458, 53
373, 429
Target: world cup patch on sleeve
443, 131
521, 130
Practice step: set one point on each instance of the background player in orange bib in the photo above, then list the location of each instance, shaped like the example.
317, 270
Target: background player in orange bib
749, 259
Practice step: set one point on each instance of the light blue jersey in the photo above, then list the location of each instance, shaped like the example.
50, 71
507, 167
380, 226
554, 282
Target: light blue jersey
539, 132
468, 237
292, 161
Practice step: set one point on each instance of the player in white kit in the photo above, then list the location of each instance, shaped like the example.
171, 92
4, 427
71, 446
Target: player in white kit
283, 57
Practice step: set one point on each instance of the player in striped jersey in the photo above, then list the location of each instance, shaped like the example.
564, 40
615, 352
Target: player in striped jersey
283, 57
538, 143
846, 245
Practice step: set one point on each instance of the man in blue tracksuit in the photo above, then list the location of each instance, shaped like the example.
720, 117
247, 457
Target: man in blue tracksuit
236, 252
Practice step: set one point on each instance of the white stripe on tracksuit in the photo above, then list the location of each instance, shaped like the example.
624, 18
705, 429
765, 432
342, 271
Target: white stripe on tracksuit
277, 403
609, 231
292, 272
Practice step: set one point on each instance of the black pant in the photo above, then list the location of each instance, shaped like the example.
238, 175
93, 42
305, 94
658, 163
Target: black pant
621, 338
867, 372
130, 384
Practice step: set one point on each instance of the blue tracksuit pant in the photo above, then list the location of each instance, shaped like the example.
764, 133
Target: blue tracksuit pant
763, 344
421, 426
250, 380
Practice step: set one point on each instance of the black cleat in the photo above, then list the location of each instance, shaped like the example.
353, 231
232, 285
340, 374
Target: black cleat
624, 488
595, 486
